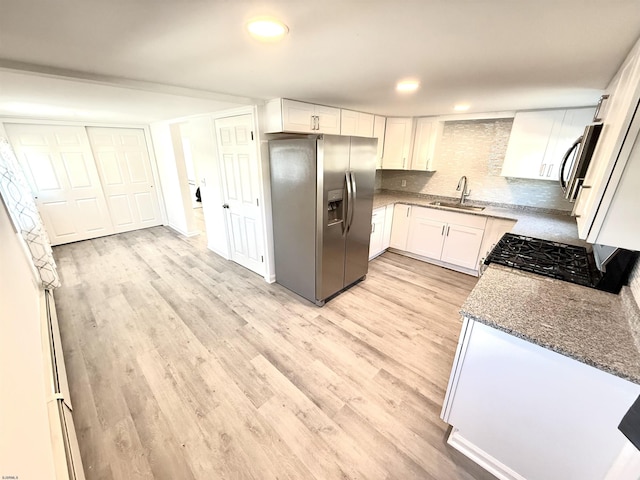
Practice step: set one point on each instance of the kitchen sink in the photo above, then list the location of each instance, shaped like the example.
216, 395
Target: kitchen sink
457, 206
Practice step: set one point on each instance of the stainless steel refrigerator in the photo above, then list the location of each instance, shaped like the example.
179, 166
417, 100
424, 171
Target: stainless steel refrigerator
321, 195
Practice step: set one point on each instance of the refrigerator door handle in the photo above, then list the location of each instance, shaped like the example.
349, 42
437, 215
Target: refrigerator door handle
346, 224
352, 200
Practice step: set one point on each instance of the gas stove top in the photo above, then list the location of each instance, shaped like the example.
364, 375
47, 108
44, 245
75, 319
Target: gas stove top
544, 257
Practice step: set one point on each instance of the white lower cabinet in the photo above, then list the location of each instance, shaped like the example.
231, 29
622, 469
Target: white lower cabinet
447, 238
450, 239
426, 235
462, 245
400, 228
524, 412
381, 221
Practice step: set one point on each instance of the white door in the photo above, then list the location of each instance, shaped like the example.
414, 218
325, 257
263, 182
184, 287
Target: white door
58, 162
241, 185
123, 163
462, 246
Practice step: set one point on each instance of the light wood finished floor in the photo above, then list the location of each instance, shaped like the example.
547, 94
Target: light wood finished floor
183, 365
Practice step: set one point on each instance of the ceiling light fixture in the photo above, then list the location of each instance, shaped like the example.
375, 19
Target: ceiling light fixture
407, 85
461, 107
267, 29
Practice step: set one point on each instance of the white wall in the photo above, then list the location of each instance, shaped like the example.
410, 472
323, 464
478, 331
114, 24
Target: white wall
167, 146
205, 157
25, 444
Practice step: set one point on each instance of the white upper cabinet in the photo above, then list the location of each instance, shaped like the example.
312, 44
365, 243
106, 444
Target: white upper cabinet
397, 143
606, 208
539, 139
356, 123
428, 130
283, 115
378, 132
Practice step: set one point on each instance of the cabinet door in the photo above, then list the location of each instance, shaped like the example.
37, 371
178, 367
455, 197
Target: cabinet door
400, 227
348, 122
328, 119
377, 233
358, 124
462, 245
388, 222
426, 235
397, 143
424, 144
365, 125
540, 405
297, 116
572, 127
530, 135
379, 124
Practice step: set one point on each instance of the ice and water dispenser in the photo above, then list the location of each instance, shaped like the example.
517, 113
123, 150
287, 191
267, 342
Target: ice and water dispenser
334, 207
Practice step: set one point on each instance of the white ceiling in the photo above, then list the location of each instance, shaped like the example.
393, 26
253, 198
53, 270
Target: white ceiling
494, 54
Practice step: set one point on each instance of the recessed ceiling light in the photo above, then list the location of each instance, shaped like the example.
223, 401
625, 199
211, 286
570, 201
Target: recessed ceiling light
267, 28
407, 85
461, 107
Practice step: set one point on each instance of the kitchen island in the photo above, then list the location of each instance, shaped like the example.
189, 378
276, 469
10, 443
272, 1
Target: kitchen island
543, 374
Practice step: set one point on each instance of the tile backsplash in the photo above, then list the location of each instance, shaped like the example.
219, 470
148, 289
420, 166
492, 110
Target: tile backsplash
475, 148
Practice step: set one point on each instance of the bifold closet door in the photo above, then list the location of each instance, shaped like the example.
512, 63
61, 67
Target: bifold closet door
124, 167
59, 165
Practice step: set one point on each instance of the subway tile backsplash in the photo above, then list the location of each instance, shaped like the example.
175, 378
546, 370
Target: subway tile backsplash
475, 148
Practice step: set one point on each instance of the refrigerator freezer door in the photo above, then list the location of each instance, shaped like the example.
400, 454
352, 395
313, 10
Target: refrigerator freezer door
293, 197
363, 171
333, 164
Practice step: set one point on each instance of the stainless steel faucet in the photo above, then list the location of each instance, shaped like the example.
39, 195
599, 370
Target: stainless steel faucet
462, 185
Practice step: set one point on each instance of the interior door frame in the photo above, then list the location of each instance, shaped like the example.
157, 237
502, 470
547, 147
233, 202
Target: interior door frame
144, 128
261, 147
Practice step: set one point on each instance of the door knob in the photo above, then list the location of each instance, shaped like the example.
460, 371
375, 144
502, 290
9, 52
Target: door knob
226, 205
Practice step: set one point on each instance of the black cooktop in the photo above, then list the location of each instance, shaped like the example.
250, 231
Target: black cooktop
556, 260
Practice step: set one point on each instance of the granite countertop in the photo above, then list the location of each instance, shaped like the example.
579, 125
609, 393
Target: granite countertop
591, 326
532, 222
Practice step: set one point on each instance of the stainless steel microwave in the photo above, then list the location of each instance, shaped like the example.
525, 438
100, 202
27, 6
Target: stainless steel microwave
575, 162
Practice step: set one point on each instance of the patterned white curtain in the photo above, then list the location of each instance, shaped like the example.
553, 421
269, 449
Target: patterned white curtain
24, 213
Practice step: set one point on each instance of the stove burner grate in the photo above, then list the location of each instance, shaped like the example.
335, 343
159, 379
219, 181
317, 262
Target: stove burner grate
544, 257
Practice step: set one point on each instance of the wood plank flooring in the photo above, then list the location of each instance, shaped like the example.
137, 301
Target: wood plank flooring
185, 366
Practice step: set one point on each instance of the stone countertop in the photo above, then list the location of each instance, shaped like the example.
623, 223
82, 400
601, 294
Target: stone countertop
538, 223
591, 326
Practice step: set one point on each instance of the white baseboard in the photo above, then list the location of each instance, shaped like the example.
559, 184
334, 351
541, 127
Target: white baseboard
271, 278
182, 232
218, 252
481, 457
450, 266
